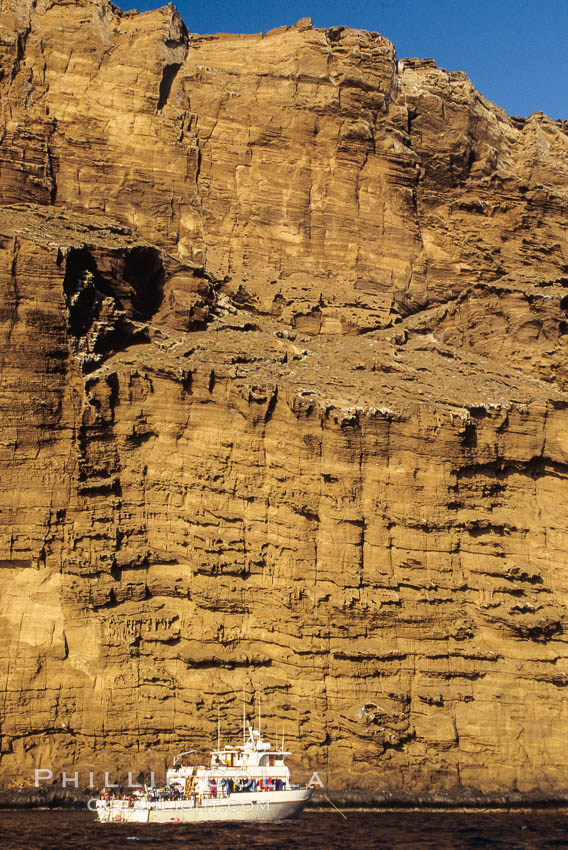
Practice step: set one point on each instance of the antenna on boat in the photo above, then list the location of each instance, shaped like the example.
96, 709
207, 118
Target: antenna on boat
259, 717
282, 739
244, 720
218, 728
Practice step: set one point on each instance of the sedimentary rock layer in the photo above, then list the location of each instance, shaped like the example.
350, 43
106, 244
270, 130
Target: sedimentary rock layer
283, 396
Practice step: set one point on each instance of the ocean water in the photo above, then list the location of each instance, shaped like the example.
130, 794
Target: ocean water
363, 830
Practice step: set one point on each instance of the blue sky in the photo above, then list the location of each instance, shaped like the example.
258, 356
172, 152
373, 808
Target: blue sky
514, 51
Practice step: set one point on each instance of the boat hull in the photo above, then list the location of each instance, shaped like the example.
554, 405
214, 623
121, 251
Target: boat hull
245, 807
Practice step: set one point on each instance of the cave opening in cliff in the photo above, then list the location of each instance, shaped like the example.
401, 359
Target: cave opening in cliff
144, 272
84, 288
168, 77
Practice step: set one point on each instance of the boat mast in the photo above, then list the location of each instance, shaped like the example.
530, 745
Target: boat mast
218, 728
259, 717
244, 720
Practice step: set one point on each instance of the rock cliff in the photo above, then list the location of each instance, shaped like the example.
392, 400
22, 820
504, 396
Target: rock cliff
284, 406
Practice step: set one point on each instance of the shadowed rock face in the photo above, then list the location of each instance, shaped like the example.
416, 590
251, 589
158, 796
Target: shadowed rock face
283, 396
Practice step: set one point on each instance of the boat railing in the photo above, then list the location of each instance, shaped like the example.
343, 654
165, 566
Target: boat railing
220, 791
219, 794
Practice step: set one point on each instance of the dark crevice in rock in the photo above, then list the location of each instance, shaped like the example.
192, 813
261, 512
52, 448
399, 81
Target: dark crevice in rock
101, 488
271, 405
84, 290
536, 467
469, 436
229, 664
144, 272
168, 77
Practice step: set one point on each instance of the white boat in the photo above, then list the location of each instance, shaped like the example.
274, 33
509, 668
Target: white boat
250, 782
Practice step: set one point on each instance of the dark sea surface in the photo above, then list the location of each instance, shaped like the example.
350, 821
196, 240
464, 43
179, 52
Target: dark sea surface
404, 829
